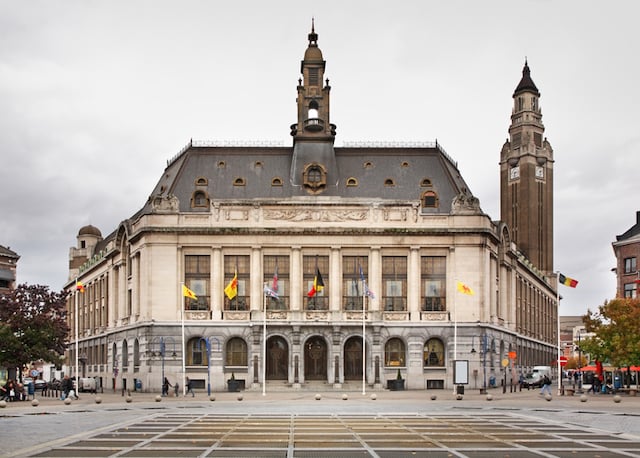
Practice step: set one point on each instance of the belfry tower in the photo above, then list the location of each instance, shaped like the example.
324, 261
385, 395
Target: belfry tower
526, 177
313, 167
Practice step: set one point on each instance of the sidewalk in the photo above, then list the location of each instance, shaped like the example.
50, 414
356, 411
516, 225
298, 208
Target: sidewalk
520, 399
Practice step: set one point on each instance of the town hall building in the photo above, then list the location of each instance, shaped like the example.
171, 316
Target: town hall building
323, 266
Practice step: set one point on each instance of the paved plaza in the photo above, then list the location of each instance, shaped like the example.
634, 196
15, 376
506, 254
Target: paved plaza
324, 424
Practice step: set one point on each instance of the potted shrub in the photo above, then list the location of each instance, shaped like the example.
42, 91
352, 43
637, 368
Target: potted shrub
232, 384
397, 384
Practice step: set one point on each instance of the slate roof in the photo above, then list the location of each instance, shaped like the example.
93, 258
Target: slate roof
631, 232
382, 174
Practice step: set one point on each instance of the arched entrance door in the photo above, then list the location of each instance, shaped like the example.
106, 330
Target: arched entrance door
277, 359
353, 359
315, 359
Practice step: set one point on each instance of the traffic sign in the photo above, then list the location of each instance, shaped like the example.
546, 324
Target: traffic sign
563, 361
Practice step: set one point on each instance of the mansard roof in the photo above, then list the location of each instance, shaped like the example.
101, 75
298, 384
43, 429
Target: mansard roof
261, 174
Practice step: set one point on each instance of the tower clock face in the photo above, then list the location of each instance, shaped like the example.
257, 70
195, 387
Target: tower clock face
539, 172
514, 173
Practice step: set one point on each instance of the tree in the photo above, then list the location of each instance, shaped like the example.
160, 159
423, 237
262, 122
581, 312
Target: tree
32, 325
616, 326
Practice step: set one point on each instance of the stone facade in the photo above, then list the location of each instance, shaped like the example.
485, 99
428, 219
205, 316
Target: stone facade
385, 235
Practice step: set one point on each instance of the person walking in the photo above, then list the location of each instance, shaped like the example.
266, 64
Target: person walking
165, 387
67, 388
546, 385
189, 386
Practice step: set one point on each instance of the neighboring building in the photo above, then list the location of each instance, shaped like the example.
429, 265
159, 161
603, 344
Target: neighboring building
395, 220
8, 263
627, 251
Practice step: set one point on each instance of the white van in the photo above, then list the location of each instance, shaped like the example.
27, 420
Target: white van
87, 384
534, 378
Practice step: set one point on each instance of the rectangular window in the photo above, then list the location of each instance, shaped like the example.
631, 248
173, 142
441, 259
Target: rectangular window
241, 266
630, 290
434, 275
316, 294
276, 278
197, 277
630, 265
394, 283
353, 288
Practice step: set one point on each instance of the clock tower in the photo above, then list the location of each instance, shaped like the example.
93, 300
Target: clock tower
526, 177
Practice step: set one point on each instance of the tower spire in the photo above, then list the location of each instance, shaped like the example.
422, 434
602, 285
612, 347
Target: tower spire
526, 177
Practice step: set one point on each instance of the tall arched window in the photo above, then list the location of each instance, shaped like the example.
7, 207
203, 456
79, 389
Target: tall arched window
434, 353
394, 353
196, 352
136, 353
236, 352
313, 110
125, 354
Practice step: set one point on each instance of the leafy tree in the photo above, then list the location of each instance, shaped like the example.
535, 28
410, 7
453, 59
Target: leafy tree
32, 325
616, 326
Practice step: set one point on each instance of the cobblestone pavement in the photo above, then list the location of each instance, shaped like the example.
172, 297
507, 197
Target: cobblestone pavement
326, 424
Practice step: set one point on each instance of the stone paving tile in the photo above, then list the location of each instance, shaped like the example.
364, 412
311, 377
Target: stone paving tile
476, 436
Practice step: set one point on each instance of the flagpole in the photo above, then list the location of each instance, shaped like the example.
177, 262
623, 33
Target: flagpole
455, 337
558, 332
364, 340
264, 344
183, 346
77, 341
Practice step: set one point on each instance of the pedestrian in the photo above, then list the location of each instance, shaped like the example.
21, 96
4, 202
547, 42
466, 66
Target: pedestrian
546, 385
165, 387
67, 388
9, 391
175, 389
521, 380
189, 386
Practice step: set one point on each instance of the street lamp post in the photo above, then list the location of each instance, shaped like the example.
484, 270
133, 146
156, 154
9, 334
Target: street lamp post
483, 348
207, 343
162, 352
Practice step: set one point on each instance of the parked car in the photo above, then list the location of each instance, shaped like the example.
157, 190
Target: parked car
39, 384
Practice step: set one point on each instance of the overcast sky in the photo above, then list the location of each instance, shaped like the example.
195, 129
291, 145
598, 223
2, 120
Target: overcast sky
96, 96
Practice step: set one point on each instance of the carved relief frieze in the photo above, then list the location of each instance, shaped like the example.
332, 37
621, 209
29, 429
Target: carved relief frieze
164, 204
316, 315
277, 315
396, 316
236, 316
326, 215
196, 314
434, 316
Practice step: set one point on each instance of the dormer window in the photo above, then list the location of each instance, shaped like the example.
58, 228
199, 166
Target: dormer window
389, 182
201, 181
314, 178
239, 182
426, 183
352, 182
199, 199
429, 200
277, 181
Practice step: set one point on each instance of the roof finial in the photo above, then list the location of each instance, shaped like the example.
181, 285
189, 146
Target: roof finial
313, 36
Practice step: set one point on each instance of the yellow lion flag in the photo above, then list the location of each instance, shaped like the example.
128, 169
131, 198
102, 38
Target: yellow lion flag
464, 289
186, 292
